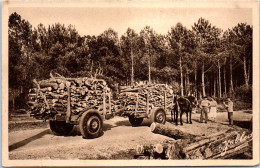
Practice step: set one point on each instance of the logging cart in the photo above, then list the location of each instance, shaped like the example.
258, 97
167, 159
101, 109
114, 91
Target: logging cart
151, 101
66, 102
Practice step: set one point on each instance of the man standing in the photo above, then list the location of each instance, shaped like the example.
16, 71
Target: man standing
229, 107
204, 109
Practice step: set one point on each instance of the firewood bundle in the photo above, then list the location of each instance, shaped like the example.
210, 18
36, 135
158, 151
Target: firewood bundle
156, 95
84, 93
222, 145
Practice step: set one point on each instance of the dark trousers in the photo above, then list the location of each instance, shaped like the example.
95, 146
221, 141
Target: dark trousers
204, 111
230, 118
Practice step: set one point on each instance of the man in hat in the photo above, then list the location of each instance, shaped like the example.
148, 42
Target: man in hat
204, 105
229, 107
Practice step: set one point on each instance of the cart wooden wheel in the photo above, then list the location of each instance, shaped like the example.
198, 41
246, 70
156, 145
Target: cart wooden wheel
158, 115
135, 121
90, 125
60, 128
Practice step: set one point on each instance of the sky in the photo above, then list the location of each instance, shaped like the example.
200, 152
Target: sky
95, 20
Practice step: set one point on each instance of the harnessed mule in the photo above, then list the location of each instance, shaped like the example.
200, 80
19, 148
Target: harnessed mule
184, 105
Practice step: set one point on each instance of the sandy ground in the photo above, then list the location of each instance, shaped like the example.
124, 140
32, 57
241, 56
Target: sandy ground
118, 141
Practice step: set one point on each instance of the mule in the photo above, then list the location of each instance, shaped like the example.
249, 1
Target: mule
183, 105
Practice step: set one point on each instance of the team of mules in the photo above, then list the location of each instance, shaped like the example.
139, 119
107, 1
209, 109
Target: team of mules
183, 105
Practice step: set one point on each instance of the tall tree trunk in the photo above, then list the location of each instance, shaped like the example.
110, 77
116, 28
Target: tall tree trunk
245, 73
245, 70
249, 69
231, 89
195, 79
217, 85
202, 80
225, 82
219, 80
188, 82
185, 83
132, 67
212, 84
91, 69
214, 93
149, 68
181, 77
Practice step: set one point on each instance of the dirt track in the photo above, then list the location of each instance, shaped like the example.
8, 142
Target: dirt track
118, 141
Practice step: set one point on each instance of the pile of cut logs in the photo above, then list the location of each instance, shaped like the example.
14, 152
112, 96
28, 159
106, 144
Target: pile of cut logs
84, 93
223, 145
137, 98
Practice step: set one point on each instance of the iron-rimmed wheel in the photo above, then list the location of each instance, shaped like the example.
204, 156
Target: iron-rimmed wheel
159, 116
135, 121
90, 125
60, 128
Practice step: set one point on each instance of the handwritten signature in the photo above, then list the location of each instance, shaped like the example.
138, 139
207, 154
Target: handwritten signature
239, 138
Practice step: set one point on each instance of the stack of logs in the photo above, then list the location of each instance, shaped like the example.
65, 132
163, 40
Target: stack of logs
223, 145
158, 95
85, 93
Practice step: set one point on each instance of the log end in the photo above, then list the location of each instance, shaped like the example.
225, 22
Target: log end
68, 84
153, 126
139, 149
158, 148
59, 81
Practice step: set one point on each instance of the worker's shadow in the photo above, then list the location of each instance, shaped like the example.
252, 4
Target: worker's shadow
243, 124
28, 140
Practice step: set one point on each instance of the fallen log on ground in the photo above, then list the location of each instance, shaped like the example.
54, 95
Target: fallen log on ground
169, 131
222, 145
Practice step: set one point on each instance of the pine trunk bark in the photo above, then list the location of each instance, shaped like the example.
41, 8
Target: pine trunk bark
202, 80
149, 68
245, 73
13, 107
195, 79
248, 72
188, 82
214, 93
132, 68
225, 81
181, 76
231, 89
219, 80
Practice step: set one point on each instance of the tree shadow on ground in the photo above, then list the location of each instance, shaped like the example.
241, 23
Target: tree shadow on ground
28, 140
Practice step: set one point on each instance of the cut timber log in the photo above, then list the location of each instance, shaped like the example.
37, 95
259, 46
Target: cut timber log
242, 148
170, 132
143, 149
62, 86
222, 145
129, 90
42, 95
71, 93
44, 84
174, 151
152, 151
145, 97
